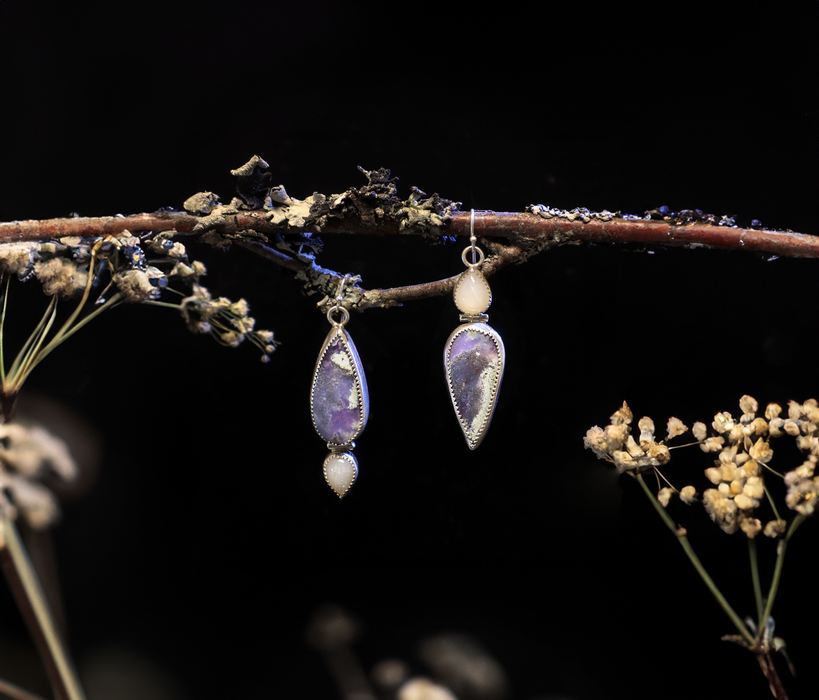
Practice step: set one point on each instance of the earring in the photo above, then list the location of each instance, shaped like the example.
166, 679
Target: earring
339, 401
474, 356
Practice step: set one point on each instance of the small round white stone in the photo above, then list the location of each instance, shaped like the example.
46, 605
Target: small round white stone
340, 471
472, 293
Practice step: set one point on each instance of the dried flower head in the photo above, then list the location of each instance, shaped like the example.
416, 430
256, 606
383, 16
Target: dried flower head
60, 276
723, 510
224, 320
803, 488
675, 427
688, 495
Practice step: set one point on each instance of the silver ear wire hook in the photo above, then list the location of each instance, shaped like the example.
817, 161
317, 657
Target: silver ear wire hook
340, 295
472, 239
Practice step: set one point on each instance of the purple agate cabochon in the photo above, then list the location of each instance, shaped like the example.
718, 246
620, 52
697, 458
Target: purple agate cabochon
474, 368
339, 398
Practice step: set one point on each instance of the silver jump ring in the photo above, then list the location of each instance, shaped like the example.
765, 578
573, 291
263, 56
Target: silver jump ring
473, 251
345, 316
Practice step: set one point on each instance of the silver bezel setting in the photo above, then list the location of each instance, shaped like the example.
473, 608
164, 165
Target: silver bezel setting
347, 457
473, 270
473, 440
359, 377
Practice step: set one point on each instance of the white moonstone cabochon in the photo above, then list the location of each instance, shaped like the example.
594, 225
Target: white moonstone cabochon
340, 471
472, 293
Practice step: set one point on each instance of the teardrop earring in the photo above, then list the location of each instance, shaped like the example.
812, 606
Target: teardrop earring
339, 400
474, 355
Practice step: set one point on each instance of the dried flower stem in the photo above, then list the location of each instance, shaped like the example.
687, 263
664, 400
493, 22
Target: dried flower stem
679, 533
35, 349
33, 605
752, 554
777, 575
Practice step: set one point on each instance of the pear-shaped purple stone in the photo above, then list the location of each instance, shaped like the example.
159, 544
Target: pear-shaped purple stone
474, 359
339, 399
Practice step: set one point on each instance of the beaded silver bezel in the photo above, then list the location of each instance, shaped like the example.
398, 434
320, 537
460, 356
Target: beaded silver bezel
347, 457
473, 439
359, 377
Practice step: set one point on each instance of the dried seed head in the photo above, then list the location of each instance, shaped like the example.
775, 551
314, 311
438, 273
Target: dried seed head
773, 410
774, 528
688, 494
623, 415
723, 510
748, 404
675, 427
750, 526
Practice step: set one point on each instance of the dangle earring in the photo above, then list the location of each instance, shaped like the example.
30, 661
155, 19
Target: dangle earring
474, 356
339, 402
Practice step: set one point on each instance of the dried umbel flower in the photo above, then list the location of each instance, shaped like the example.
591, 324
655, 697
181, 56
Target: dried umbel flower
743, 450
615, 443
228, 322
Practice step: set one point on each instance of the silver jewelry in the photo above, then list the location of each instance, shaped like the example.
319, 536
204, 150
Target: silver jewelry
474, 356
339, 401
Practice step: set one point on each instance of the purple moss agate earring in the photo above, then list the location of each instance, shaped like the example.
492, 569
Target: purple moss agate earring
474, 356
339, 402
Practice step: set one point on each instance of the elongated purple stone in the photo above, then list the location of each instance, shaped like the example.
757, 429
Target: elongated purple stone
339, 400
474, 360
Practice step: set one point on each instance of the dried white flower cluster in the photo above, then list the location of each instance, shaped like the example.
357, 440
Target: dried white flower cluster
134, 269
616, 444
743, 454
27, 454
225, 320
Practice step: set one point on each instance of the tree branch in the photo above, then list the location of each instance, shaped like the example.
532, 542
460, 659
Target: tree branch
266, 220
528, 233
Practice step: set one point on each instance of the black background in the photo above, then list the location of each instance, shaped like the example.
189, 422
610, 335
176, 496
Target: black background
207, 537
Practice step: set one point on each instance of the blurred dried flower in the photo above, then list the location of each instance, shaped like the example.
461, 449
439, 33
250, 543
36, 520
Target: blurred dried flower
424, 689
27, 455
60, 276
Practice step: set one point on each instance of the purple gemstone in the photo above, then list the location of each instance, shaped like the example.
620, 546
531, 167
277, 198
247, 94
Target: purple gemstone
339, 399
474, 359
